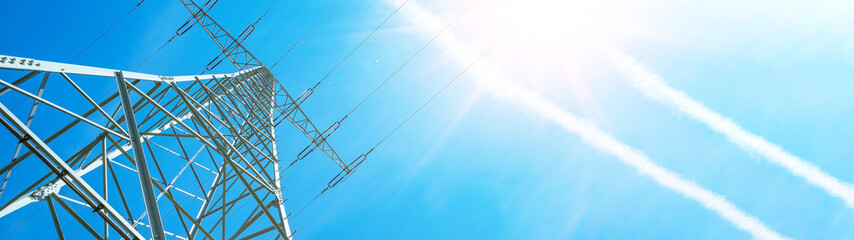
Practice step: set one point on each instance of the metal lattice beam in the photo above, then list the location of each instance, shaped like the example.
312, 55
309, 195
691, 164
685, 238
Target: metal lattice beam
201, 147
208, 140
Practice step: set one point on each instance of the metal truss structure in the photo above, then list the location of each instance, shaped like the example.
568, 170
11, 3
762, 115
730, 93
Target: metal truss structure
199, 151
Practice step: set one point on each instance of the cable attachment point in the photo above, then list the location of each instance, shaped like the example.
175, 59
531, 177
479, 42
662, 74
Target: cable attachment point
62, 173
252, 26
178, 31
25, 138
209, 67
335, 180
98, 208
305, 94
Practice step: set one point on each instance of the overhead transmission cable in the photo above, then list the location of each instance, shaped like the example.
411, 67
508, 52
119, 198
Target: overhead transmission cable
307, 93
408, 60
22, 222
252, 26
457, 77
180, 31
437, 93
306, 33
93, 42
106, 31
310, 148
362, 157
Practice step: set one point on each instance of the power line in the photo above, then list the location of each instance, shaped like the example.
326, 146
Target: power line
360, 44
306, 33
22, 222
443, 88
105, 32
253, 24
154, 53
265, 12
448, 84
409, 60
307, 93
164, 45
93, 42
335, 125
178, 32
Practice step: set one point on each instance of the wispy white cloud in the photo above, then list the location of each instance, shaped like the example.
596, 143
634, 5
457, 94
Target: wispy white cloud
495, 81
654, 87
632, 157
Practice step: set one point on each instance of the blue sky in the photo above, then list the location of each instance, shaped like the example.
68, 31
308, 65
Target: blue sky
475, 164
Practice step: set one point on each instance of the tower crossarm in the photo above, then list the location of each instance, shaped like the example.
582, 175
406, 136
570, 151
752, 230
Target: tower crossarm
243, 59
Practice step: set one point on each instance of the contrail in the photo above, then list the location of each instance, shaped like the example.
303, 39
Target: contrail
497, 82
632, 157
653, 86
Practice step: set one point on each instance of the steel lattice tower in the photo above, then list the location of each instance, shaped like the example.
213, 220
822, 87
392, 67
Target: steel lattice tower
195, 149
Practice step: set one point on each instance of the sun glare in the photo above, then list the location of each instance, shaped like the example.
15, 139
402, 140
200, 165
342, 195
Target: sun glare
550, 42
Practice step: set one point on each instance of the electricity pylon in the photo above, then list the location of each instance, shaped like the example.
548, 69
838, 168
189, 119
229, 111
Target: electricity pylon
188, 157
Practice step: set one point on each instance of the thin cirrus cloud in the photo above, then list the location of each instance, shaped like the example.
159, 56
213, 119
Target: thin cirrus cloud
654, 87
495, 81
